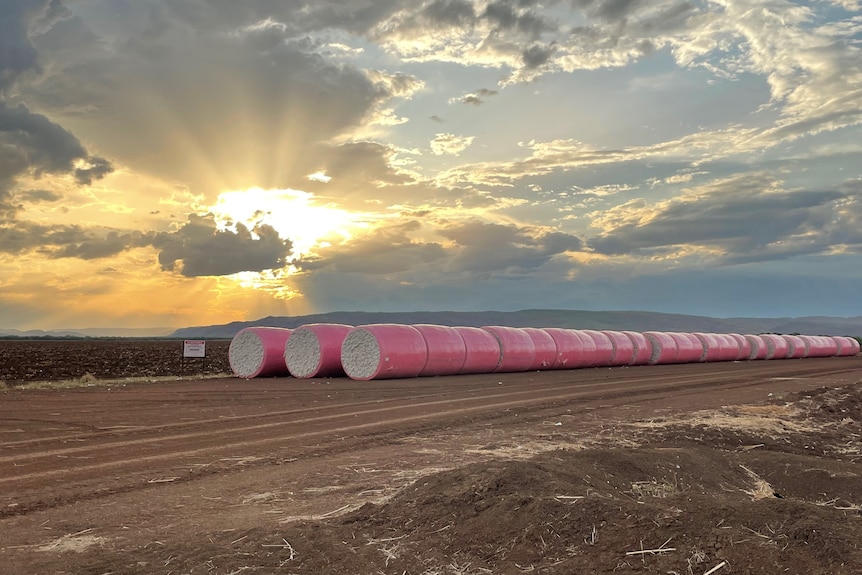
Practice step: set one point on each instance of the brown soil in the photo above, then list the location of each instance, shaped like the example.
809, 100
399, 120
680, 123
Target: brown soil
748, 467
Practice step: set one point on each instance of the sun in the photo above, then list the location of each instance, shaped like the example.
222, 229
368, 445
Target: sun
294, 214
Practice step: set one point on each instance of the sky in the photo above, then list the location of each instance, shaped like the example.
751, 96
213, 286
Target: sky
170, 163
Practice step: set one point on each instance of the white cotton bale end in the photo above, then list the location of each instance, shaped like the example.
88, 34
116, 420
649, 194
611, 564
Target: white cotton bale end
516, 348
689, 347
795, 347
258, 352
544, 346
776, 344
604, 353
482, 351
664, 349
624, 347
383, 351
314, 350
446, 349
642, 346
571, 352
758, 347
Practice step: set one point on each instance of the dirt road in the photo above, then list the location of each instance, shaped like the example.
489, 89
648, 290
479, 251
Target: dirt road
131, 467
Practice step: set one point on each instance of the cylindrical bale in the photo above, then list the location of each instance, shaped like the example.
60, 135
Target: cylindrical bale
624, 347
482, 351
604, 353
689, 347
643, 348
743, 345
516, 348
729, 347
849, 346
711, 344
544, 346
573, 349
777, 346
819, 346
314, 350
759, 349
446, 349
795, 346
383, 351
664, 349
258, 352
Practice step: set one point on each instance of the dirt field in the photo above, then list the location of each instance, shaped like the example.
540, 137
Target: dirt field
750, 467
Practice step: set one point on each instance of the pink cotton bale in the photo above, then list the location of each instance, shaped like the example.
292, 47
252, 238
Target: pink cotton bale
545, 348
819, 346
759, 348
604, 353
849, 346
624, 347
711, 344
383, 351
482, 351
642, 346
314, 350
516, 348
776, 344
573, 349
446, 349
664, 348
795, 347
743, 345
689, 347
258, 352
729, 347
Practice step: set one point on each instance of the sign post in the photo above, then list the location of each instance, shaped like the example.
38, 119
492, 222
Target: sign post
194, 348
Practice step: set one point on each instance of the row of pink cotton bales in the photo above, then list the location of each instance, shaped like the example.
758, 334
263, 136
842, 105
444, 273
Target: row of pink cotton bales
384, 351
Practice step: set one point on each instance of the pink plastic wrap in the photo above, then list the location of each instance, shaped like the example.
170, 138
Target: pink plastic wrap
446, 349
664, 349
544, 346
624, 347
383, 351
573, 350
483, 353
776, 345
516, 347
759, 349
689, 347
604, 353
795, 347
642, 347
258, 352
743, 345
314, 350
849, 346
711, 343
819, 346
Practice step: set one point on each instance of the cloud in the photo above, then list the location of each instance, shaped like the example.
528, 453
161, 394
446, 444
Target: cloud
67, 241
450, 144
740, 219
198, 248
474, 98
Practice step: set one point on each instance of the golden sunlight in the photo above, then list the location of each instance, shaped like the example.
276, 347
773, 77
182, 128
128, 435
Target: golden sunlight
293, 213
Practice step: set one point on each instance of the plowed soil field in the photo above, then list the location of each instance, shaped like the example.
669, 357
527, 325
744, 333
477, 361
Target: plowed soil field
738, 467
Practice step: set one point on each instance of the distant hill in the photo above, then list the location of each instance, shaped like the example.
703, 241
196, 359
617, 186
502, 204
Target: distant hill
612, 320
89, 332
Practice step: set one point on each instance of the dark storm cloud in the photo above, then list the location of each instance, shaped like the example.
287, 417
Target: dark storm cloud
35, 196
449, 13
18, 20
96, 169
608, 9
387, 250
536, 56
65, 241
483, 248
504, 15
746, 224
199, 248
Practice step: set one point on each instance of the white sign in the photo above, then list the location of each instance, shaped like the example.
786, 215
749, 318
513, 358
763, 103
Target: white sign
194, 348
